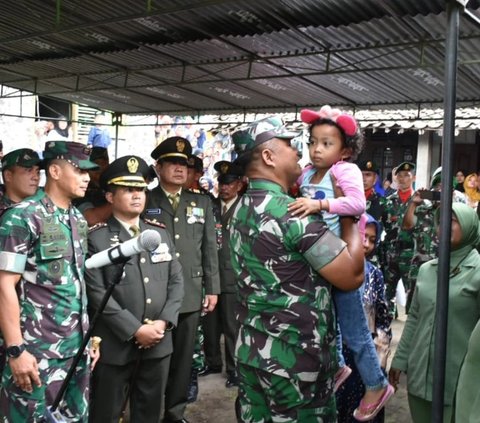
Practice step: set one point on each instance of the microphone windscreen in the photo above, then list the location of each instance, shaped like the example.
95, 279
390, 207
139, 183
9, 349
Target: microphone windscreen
149, 240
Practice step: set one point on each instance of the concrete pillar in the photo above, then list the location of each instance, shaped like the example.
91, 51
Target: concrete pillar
423, 165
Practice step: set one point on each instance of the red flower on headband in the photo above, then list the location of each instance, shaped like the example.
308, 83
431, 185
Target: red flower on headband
344, 120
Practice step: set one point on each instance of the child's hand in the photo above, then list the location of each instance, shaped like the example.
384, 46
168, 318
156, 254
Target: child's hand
302, 207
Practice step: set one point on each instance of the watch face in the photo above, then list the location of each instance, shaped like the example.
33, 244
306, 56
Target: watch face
15, 350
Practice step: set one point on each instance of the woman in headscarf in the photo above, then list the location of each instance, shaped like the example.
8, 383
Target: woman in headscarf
379, 321
472, 193
414, 354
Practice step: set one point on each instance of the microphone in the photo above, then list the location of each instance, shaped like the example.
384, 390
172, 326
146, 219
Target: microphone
148, 240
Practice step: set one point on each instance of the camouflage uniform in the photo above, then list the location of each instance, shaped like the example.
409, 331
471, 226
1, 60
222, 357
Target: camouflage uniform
286, 342
397, 248
36, 242
5, 202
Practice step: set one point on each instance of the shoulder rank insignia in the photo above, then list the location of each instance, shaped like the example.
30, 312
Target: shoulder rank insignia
97, 226
154, 222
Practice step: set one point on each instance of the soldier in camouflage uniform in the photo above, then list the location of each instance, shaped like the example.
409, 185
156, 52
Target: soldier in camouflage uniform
419, 219
285, 349
398, 244
21, 176
43, 318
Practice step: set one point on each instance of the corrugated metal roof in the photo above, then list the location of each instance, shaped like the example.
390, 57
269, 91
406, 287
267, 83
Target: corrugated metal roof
213, 56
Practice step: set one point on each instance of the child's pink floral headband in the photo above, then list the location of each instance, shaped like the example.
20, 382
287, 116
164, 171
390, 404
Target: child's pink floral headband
343, 120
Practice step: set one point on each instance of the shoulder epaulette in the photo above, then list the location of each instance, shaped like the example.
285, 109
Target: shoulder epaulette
97, 226
154, 222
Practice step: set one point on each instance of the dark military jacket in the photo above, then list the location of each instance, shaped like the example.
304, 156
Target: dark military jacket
151, 287
375, 206
227, 276
192, 228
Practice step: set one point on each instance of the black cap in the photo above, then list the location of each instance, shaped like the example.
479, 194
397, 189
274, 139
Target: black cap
127, 171
195, 162
99, 153
409, 166
368, 166
173, 149
228, 172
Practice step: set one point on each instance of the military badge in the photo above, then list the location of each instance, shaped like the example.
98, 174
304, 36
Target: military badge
180, 144
132, 165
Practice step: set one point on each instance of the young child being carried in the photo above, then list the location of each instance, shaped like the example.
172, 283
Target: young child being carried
334, 141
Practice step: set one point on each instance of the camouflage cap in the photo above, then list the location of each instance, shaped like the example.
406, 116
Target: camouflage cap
368, 166
75, 153
259, 132
228, 172
408, 166
436, 177
25, 157
127, 171
173, 149
195, 162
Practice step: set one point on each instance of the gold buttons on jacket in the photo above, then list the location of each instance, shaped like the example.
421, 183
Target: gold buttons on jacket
146, 280
177, 236
143, 260
149, 301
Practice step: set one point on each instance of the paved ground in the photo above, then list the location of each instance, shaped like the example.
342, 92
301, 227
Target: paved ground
215, 402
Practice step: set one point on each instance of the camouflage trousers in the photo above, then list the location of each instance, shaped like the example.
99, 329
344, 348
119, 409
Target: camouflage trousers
265, 397
18, 406
397, 267
198, 359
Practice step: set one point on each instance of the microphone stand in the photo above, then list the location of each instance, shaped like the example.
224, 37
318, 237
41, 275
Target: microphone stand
52, 415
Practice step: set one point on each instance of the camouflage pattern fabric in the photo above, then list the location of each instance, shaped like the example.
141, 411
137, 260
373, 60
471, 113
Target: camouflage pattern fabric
17, 406
5, 202
397, 248
426, 242
36, 242
198, 360
295, 401
285, 312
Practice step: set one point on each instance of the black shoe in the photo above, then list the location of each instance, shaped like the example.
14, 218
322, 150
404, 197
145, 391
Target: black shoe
207, 370
192, 388
232, 380
175, 421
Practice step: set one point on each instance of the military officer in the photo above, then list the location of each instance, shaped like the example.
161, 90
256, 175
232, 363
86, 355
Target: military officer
143, 309
94, 206
21, 176
222, 319
285, 347
374, 200
398, 243
188, 218
43, 314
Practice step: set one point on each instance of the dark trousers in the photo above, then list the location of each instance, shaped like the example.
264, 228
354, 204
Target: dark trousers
221, 320
181, 365
144, 381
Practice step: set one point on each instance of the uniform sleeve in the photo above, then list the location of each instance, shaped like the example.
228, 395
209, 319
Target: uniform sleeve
175, 289
15, 240
209, 252
121, 321
400, 360
349, 179
315, 242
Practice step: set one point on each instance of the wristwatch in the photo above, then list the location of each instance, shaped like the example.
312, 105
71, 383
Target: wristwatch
14, 351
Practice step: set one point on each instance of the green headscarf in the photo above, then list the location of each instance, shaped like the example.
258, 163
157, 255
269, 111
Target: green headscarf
468, 221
